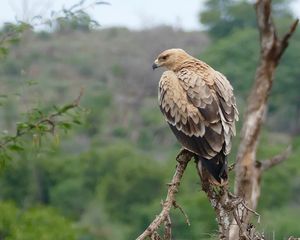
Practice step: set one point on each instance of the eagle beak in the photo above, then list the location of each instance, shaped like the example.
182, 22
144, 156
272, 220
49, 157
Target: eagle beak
155, 64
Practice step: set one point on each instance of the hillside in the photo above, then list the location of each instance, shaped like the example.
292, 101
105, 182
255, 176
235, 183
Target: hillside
111, 63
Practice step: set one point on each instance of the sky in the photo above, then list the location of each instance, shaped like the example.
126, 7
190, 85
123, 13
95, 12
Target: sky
134, 14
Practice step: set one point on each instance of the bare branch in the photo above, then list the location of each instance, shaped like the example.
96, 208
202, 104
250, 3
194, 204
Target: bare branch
155, 236
251, 210
240, 225
248, 175
220, 200
168, 228
269, 163
183, 159
176, 205
287, 36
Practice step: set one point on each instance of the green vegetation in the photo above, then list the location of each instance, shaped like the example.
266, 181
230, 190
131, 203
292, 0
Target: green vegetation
35, 223
103, 171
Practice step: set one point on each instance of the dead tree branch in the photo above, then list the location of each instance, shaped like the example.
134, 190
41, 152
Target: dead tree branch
176, 205
168, 229
226, 206
219, 200
274, 161
183, 159
248, 173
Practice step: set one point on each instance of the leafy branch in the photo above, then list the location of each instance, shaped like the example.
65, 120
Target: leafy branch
38, 123
11, 34
75, 16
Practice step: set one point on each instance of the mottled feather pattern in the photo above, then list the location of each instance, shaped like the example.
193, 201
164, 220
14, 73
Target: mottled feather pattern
199, 101
199, 106
177, 109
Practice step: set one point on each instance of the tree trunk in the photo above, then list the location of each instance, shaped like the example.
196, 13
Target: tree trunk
248, 170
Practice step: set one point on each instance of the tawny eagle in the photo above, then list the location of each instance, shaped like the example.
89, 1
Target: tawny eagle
199, 106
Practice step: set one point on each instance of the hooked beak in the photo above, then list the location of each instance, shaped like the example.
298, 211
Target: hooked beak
155, 64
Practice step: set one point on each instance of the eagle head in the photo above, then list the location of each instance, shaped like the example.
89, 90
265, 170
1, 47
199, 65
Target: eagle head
170, 58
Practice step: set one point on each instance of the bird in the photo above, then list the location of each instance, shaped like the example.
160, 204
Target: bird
199, 106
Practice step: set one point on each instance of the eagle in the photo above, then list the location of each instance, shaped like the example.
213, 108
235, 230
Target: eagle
199, 105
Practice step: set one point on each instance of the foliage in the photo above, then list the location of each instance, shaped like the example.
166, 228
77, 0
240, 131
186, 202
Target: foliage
36, 223
38, 122
10, 35
223, 17
76, 17
280, 224
233, 61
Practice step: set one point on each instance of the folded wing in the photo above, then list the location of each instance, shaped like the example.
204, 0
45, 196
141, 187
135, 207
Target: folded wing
201, 115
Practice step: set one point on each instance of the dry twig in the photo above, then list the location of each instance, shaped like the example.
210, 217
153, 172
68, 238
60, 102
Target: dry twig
183, 159
274, 161
176, 205
168, 228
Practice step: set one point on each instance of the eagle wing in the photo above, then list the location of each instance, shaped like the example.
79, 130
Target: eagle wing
200, 111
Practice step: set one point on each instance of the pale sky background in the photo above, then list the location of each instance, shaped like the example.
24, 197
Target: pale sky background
134, 14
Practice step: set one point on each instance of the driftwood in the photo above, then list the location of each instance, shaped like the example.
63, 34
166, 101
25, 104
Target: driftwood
234, 211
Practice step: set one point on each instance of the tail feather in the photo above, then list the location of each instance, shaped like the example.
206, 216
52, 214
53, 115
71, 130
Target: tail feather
216, 167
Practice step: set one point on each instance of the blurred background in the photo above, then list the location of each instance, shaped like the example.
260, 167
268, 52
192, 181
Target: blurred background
103, 176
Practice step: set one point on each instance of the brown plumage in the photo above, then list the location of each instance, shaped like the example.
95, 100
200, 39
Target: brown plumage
199, 106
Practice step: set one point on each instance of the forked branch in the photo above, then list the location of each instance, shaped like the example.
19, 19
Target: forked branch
248, 172
183, 159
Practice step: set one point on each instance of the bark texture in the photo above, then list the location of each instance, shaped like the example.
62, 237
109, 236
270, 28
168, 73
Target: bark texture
183, 159
248, 170
220, 202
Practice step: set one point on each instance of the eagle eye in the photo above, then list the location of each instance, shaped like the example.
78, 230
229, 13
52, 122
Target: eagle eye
164, 57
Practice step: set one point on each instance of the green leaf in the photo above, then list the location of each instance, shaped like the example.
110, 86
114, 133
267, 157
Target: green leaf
77, 121
22, 125
14, 40
16, 148
3, 51
4, 157
31, 82
66, 125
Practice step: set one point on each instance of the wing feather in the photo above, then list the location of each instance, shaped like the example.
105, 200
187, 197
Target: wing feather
176, 107
200, 109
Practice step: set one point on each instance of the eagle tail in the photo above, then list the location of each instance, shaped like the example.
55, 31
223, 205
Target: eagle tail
216, 167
